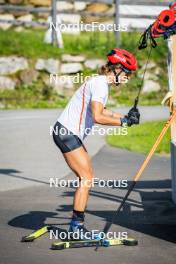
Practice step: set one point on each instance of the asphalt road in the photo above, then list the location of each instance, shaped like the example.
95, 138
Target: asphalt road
149, 215
28, 158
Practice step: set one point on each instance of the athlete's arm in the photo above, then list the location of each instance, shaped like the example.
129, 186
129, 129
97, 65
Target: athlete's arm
100, 117
108, 112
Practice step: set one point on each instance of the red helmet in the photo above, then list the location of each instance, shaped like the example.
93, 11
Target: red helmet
125, 58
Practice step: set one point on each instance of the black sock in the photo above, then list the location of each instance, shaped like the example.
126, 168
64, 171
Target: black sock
78, 215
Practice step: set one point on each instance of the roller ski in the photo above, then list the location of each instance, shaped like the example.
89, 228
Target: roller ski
36, 234
94, 243
78, 238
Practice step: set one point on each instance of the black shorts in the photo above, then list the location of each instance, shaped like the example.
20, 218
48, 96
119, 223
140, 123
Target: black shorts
65, 139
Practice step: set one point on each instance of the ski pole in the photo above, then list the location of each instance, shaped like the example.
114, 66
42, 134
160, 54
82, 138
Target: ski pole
136, 101
140, 171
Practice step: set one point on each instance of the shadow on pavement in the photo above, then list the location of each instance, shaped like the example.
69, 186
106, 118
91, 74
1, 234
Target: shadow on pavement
147, 210
12, 172
154, 214
32, 220
35, 220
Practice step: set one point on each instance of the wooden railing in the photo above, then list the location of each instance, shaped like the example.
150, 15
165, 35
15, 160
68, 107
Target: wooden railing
53, 11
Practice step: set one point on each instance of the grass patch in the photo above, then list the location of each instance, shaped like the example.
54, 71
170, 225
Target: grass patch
31, 97
141, 138
29, 43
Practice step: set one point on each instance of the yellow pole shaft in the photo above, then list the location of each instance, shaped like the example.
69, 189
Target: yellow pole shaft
157, 142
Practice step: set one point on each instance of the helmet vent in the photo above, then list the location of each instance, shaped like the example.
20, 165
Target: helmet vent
112, 52
126, 56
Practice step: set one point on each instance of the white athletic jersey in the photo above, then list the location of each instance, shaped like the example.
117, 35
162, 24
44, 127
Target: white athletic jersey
77, 116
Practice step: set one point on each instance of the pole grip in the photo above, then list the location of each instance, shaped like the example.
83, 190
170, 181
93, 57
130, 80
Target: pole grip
136, 102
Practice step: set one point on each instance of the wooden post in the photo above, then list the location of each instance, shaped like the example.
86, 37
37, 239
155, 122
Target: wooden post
173, 43
117, 21
172, 88
53, 15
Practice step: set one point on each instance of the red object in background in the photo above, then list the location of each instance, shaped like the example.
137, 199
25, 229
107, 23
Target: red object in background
165, 20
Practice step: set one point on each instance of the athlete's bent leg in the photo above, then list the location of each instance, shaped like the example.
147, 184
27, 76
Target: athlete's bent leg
80, 163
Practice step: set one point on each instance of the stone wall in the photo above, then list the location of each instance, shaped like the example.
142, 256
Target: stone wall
61, 6
68, 72
16, 71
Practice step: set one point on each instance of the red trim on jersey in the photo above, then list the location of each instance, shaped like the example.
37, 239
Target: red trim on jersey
82, 108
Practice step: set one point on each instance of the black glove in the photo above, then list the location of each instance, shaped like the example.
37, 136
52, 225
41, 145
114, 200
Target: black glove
130, 120
134, 112
133, 120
